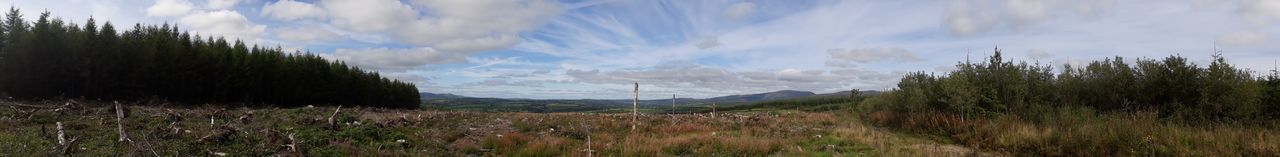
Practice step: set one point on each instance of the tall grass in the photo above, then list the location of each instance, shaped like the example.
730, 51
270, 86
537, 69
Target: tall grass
1083, 132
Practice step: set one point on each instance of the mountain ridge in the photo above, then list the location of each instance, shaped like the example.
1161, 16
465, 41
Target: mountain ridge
775, 95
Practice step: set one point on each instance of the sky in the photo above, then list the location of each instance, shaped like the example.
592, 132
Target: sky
596, 49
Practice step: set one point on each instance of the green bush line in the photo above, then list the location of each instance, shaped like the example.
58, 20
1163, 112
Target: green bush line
1173, 87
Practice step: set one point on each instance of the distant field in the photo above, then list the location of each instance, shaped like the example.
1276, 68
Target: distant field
31, 129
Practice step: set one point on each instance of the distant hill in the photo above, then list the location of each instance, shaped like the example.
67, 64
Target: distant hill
819, 102
430, 96
450, 101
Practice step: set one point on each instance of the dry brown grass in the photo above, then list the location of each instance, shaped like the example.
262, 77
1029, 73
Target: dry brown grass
386, 132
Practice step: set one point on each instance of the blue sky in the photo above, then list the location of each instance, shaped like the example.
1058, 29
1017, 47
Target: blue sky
702, 48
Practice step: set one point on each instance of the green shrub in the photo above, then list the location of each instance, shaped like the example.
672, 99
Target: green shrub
1174, 87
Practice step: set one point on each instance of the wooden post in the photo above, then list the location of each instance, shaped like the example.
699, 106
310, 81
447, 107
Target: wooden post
589, 150
673, 103
589, 144
635, 106
713, 110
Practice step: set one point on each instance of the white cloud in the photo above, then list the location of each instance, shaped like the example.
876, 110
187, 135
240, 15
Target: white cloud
467, 45
306, 34
222, 4
170, 8
694, 77
872, 55
293, 10
476, 25
969, 17
1023, 12
395, 59
1242, 39
965, 18
369, 15
740, 10
224, 22
1260, 11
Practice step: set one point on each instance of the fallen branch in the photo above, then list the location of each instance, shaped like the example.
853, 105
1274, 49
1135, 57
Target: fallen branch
220, 134
148, 145
31, 106
333, 123
70, 143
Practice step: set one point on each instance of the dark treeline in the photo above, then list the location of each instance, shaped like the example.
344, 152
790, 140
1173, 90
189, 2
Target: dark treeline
49, 58
1174, 87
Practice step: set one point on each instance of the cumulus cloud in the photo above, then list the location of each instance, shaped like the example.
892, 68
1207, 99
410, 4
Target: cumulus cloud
165, 8
963, 20
306, 34
222, 4
1023, 12
872, 55
740, 10
445, 25
369, 15
293, 10
395, 59
223, 22
970, 17
1260, 11
476, 25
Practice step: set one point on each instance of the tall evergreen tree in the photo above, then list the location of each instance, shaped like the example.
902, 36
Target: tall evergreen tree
54, 59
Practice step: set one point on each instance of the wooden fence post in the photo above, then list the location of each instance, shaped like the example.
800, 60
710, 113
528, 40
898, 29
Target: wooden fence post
635, 106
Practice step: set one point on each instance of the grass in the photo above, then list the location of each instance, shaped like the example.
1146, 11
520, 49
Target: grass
1082, 132
168, 131
156, 130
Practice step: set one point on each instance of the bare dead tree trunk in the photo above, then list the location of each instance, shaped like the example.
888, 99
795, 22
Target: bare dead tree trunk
64, 144
62, 136
293, 144
635, 106
120, 123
